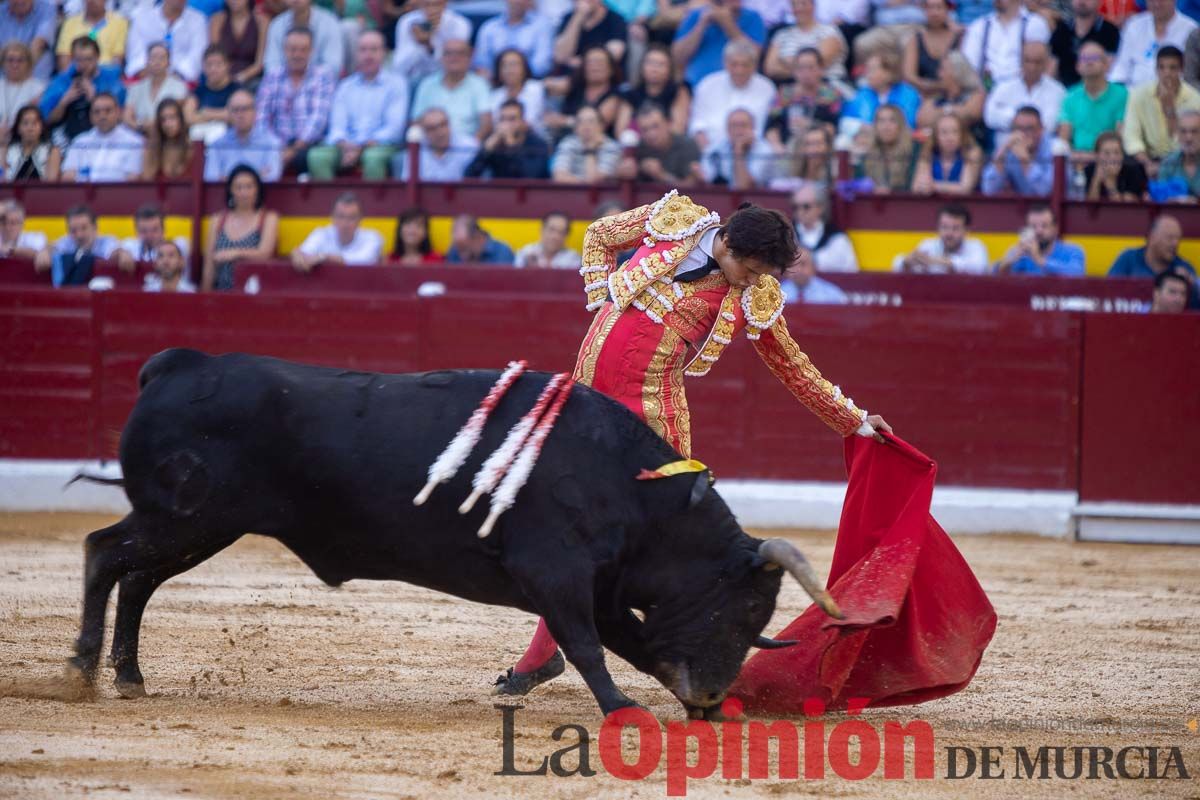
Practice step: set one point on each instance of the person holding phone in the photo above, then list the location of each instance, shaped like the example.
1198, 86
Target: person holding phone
421, 35
1039, 251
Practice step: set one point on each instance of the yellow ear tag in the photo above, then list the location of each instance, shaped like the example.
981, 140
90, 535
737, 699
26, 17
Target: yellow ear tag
673, 468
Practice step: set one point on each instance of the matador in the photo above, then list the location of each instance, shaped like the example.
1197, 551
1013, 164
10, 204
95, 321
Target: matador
692, 285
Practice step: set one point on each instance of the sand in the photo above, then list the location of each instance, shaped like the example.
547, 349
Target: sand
264, 683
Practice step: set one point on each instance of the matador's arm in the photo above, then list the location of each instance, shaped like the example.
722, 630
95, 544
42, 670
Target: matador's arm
604, 239
763, 306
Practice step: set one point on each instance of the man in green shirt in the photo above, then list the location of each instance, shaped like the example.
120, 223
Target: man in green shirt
1093, 105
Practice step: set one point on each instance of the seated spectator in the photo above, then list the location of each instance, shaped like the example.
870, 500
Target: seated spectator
1024, 164
295, 100
207, 109
812, 156
1170, 293
471, 244
413, 247
244, 143
239, 30
890, 156
71, 259
519, 28
1159, 254
168, 151
830, 247
370, 109
806, 34
1039, 251
328, 49
513, 81
802, 284
513, 150
243, 232
950, 160
1093, 105
928, 45
1033, 87
67, 103
952, 250
169, 269
1113, 175
107, 28
881, 85
15, 241
1183, 164
149, 224
29, 155
551, 249
960, 94
656, 84
993, 43
461, 93
421, 36
109, 152
156, 85
699, 45
595, 85
1069, 37
444, 153
740, 159
1153, 110
736, 86
661, 155
18, 87
183, 30
894, 22
32, 23
810, 100
344, 243
587, 155
591, 24
1143, 39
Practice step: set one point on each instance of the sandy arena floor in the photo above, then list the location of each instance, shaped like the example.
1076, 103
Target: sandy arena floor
266, 684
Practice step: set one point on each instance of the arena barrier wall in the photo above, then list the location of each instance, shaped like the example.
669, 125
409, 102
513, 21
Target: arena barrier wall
1024, 406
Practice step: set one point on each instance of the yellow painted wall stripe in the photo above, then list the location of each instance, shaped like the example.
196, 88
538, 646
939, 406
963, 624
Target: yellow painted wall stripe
876, 249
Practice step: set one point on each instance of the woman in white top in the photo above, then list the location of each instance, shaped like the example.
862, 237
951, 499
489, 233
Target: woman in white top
157, 85
29, 155
807, 32
18, 87
513, 81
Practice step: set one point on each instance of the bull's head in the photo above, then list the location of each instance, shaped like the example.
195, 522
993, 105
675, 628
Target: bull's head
695, 607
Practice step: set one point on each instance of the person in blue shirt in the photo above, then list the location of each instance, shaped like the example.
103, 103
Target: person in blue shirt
67, 102
701, 38
1158, 255
882, 86
473, 245
1024, 164
1040, 251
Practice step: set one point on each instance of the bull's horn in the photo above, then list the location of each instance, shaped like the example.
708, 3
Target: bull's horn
785, 554
767, 643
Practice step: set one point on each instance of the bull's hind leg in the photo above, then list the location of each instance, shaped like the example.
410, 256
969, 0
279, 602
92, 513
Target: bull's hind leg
135, 591
135, 544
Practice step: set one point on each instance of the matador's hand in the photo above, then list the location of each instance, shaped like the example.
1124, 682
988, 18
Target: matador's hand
879, 424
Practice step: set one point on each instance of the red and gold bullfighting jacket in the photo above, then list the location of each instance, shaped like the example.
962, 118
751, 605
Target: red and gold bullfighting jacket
651, 330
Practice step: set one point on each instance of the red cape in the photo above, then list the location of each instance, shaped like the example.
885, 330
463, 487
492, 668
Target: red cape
917, 621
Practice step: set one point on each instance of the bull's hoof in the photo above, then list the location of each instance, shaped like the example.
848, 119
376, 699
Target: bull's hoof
517, 684
130, 690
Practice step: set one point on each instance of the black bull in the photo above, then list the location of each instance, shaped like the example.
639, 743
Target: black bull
328, 462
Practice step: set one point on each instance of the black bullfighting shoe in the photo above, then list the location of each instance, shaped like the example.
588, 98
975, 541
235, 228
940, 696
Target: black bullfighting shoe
516, 684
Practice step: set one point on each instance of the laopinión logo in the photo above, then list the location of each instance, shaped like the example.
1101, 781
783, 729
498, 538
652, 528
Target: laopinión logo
696, 749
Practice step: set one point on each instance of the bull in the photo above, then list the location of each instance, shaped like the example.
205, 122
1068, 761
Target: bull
327, 462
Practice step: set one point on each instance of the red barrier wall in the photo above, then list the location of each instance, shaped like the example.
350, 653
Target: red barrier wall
1002, 397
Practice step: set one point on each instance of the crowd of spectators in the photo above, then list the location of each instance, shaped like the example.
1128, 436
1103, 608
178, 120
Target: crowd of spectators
933, 97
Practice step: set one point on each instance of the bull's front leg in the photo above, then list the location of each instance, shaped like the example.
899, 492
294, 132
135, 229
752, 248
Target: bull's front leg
565, 602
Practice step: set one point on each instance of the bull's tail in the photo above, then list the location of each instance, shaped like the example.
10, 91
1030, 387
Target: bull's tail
83, 476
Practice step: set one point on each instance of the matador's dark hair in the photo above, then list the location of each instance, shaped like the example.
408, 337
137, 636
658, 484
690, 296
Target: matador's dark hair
761, 233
